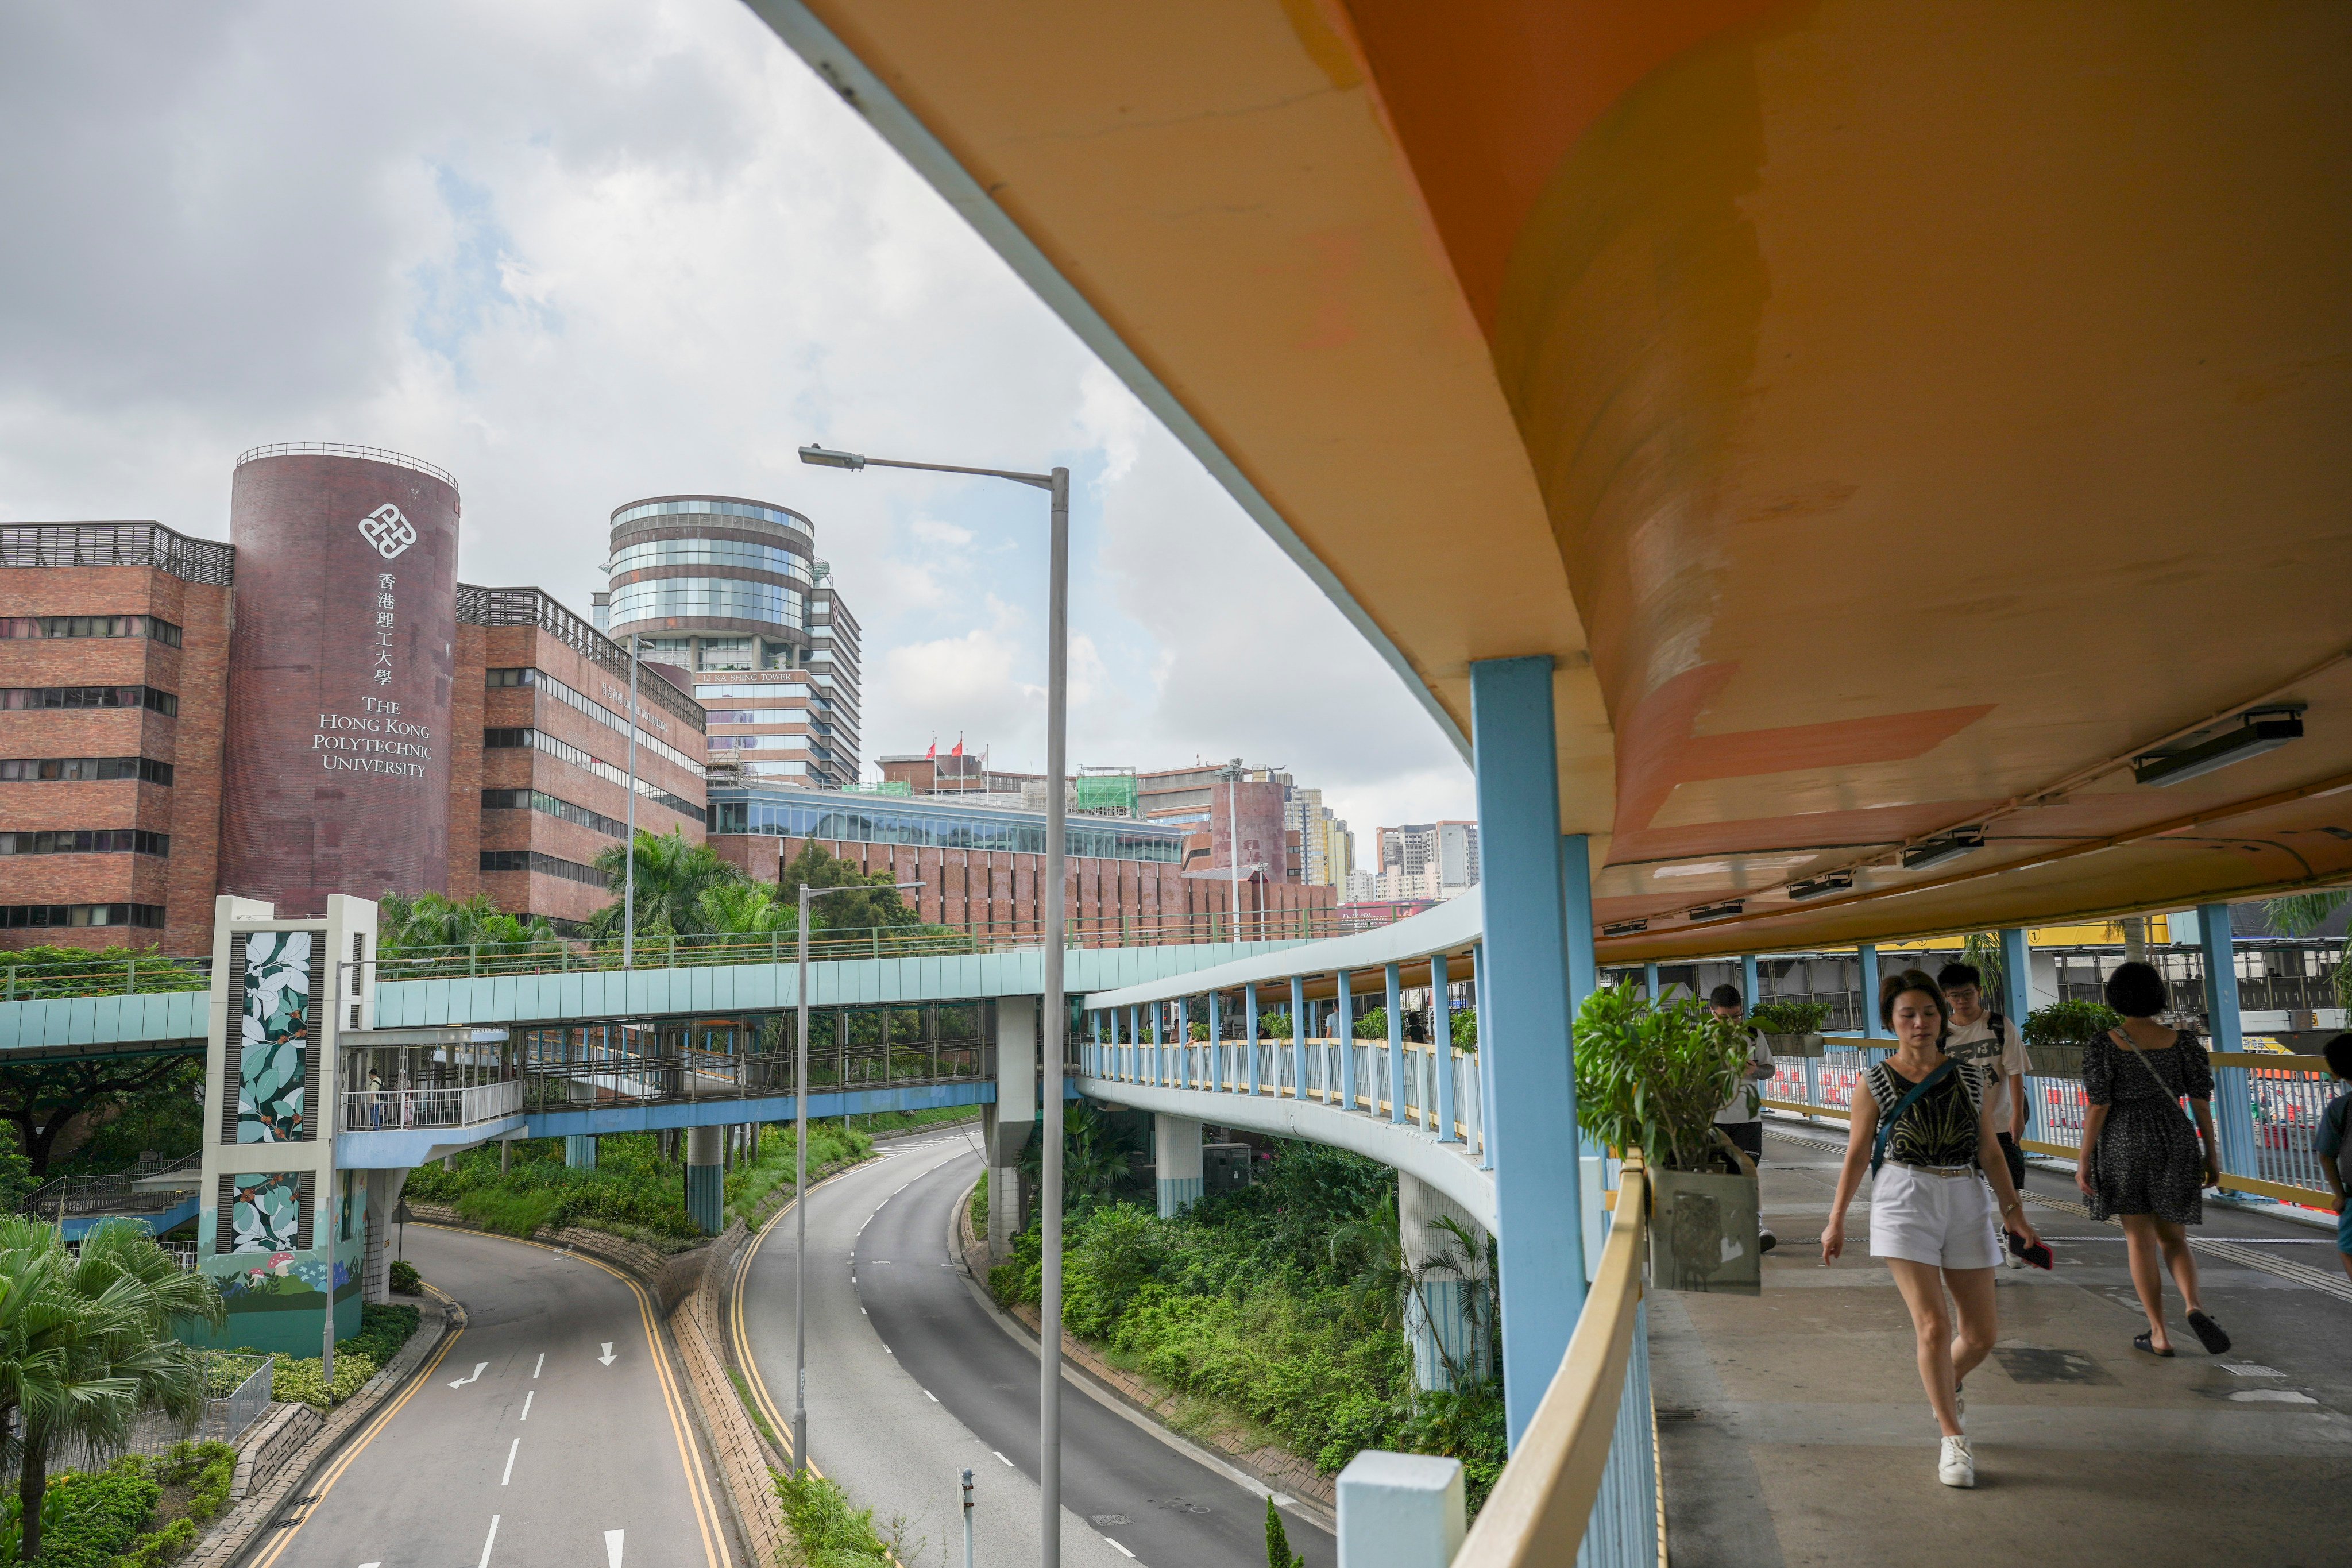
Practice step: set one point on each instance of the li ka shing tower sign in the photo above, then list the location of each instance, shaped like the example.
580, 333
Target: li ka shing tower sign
340, 673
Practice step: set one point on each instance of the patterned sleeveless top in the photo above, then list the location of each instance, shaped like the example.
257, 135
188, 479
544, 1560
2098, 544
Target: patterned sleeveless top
1941, 1128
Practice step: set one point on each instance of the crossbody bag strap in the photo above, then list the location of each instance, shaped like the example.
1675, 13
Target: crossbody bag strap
1886, 1123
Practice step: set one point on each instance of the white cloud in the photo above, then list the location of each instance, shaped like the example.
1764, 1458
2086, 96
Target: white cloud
582, 252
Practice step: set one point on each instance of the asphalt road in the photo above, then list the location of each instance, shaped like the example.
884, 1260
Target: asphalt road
911, 1380
523, 1446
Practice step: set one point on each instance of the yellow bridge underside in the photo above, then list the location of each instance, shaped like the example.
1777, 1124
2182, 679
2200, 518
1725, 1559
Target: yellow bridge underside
1891, 418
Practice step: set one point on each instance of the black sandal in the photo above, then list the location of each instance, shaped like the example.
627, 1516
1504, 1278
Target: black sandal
2148, 1342
2209, 1334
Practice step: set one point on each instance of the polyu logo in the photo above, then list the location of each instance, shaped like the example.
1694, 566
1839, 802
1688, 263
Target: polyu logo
388, 531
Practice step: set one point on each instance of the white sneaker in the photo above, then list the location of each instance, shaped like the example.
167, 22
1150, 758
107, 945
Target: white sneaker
1956, 1466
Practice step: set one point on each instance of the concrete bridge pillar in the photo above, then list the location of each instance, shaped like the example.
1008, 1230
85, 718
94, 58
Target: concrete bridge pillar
1450, 1304
1007, 1126
382, 1201
580, 1151
1176, 1147
706, 1179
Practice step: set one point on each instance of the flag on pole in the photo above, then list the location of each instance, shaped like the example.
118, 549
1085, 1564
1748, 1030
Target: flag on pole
959, 747
933, 755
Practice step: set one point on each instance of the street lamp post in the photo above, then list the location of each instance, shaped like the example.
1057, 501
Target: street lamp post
800, 1172
1056, 484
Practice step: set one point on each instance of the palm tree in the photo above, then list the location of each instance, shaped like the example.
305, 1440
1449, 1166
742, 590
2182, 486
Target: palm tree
672, 877
97, 1350
2302, 913
744, 908
428, 920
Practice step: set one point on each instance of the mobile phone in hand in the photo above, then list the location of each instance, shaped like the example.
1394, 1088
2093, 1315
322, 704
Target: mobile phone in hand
2037, 1255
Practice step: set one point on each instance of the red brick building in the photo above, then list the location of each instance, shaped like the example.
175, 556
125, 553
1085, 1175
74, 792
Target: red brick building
117, 702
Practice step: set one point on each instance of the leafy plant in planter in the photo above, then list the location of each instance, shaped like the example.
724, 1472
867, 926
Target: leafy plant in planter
1650, 1079
1790, 1017
2055, 1034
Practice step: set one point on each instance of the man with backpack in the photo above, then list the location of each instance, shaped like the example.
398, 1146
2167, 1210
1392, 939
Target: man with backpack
1992, 1045
1742, 1116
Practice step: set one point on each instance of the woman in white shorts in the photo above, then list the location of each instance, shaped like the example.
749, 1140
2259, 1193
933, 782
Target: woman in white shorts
1930, 1210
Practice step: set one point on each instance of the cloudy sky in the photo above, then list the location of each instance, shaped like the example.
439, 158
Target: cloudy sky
585, 252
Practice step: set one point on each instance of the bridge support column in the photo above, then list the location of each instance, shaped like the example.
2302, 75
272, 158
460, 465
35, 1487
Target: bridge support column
1538, 930
1866, 958
580, 1151
706, 1179
1176, 1149
1449, 1308
382, 1201
1007, 1126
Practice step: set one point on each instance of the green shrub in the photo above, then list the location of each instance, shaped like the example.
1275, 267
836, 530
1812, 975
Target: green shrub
1247, 1302
298, 1380
383, 1331
406, 1281
1790, 1017
827, 1532
2070, 1024
87, 1518
1373, 1025
1463, 1029
1652, 1076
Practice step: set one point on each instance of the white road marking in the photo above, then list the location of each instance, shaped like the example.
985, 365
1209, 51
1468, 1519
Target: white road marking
471, 1375
489, 1542
542, 1362
2272, 1396
929, 1396
512, 1448
1007, 1463
607, 1357
1118, 1548
528, 1395
613, 1548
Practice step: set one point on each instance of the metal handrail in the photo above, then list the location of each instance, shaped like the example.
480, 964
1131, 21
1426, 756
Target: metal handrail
1543, 1501
391, 1109
342, 449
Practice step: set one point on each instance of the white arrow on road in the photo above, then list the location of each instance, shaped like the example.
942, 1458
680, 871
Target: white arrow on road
613, 1548
471, 1375
607, 1359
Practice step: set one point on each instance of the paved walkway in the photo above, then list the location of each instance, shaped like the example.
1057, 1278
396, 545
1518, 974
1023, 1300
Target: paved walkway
1793, 1430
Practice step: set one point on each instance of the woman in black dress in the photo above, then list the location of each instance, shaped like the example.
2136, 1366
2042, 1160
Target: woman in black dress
2143, 1163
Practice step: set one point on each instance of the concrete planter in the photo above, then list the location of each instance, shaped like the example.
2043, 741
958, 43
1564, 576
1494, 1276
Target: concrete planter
2057, 1061
1794, 1045
1703, 1232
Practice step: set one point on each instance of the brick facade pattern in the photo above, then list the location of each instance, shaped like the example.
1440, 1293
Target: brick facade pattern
188, 809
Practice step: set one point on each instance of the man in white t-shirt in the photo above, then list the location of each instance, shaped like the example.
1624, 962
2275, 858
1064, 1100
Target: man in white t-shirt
1993, 1045
1742, 1116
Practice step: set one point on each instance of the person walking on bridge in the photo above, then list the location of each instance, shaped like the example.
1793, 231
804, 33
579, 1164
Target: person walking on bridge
1992, 1043
1742, 1116
1926, 1133
2144, 1163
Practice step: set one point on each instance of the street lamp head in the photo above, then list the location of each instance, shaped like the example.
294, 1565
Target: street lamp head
825, 458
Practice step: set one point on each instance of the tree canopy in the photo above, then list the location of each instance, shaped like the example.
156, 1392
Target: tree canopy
878, 905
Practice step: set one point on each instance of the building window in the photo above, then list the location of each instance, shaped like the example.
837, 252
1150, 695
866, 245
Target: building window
544, 865
726, 653
145, 697
540, 801
16, 916
87, 841
42, 770
563, 750
493, 678
152, 627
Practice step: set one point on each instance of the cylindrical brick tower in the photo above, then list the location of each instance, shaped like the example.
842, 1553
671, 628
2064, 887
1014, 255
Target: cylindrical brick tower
337, 766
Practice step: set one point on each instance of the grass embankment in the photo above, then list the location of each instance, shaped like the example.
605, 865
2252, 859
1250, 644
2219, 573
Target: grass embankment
136, 1513
1275, 1309
635, 1192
